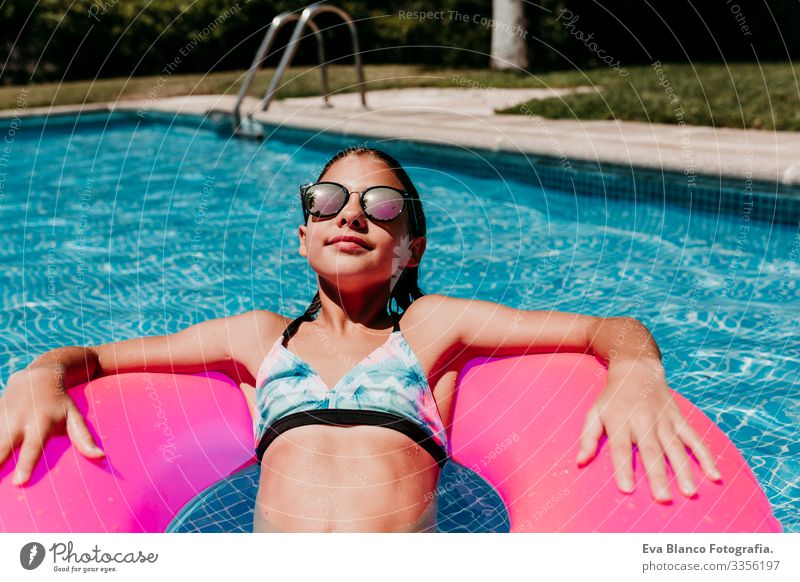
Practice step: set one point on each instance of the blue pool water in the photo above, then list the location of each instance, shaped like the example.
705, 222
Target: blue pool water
126, 228
467, 504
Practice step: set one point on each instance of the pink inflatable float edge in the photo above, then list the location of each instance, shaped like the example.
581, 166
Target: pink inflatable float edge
516, 423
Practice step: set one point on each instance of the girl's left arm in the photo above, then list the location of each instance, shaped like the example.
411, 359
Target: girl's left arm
636, 407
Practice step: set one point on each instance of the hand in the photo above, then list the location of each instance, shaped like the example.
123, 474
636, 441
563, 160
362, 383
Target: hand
637, 407
31, 409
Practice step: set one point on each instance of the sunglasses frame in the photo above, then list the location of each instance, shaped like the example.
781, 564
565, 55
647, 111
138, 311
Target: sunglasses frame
361, 195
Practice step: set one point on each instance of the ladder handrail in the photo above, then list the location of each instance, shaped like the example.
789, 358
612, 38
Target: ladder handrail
272, 32
310, 12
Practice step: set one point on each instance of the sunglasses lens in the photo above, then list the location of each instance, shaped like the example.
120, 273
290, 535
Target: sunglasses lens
324, 199
383, 203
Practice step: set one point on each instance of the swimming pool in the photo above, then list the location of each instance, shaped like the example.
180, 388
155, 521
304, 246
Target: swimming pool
116, 227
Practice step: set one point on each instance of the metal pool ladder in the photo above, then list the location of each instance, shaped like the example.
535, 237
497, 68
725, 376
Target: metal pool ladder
247, 126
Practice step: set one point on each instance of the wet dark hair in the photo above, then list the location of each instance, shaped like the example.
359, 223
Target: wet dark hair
406, 290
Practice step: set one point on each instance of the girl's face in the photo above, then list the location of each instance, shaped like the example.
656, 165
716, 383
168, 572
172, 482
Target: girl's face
389, 246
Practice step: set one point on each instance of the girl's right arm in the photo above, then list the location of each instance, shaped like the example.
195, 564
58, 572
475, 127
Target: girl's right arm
35, 402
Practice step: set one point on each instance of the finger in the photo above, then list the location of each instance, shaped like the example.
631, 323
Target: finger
590, 435
79, 434
619, 441
652, 455
5, 449
688, 435
8, 441
678, 459
29, 454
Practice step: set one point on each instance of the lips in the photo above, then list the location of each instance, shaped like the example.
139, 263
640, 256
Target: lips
352, 239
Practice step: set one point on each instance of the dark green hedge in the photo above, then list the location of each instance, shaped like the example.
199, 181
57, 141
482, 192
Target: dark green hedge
83, 39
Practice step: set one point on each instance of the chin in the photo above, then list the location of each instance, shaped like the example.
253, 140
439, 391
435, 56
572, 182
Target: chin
351, 279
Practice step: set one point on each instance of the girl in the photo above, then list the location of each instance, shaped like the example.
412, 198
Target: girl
353, 399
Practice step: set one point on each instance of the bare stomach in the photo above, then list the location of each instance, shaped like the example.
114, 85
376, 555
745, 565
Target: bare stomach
322, 478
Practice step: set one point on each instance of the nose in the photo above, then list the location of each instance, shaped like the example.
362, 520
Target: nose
352, 211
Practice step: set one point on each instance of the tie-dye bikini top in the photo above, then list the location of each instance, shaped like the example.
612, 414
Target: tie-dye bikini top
387, 388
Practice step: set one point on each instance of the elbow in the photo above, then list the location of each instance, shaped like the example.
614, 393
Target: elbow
593, 329
68, 361
613, 334
636, 324
627, 323
631, 323
634, 336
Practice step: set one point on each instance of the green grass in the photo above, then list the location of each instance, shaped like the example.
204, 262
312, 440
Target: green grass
298, 82
738, 95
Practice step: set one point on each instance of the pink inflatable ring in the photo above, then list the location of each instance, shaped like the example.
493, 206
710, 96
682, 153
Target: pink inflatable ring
517, 422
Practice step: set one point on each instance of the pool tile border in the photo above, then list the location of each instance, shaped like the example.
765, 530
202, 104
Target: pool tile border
750, 199
758, 200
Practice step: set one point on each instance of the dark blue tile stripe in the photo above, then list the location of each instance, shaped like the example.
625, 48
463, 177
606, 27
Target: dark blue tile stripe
763, 201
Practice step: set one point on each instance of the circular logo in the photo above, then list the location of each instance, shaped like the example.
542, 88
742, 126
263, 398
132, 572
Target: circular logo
31, 555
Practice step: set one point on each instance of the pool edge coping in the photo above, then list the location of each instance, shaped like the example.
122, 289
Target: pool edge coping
729, 187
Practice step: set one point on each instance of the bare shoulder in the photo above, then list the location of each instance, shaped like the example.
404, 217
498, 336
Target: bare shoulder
438, 309
257, 325
459, 320
252, 332
434, 315
427, 306
430, 303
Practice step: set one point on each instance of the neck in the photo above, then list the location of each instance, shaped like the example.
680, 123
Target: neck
341, 311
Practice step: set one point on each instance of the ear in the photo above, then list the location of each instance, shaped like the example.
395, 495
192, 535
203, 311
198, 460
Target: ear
417, 250
301, 231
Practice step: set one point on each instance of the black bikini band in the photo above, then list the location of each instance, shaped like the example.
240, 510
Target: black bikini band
349, 417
